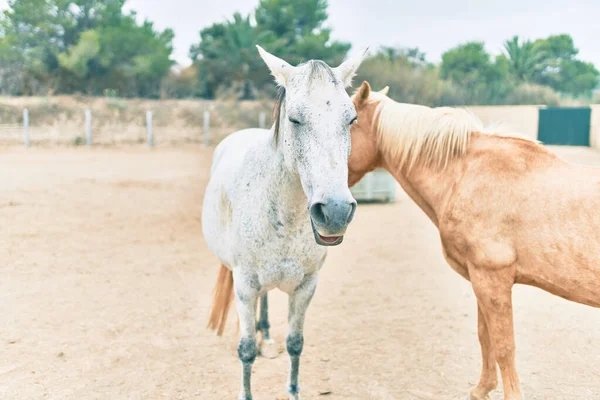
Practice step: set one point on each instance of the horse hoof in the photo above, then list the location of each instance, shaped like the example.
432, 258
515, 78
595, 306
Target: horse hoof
471, 397
268, 349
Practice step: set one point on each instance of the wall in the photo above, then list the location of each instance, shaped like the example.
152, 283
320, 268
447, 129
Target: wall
595, 127
509, 119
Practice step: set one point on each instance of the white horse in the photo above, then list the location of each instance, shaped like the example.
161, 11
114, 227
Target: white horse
275, 199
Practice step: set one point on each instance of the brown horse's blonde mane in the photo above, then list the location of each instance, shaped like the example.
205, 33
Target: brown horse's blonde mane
414, 135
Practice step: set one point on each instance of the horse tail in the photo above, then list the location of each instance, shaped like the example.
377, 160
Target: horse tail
223, 297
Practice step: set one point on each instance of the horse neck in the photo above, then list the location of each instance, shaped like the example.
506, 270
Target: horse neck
427, 186
286, 188
427, 181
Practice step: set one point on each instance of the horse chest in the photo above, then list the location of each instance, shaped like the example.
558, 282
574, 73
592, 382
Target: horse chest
286, 270
281, 261
285, 275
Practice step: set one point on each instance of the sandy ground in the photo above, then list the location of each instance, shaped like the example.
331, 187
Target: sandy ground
105, 290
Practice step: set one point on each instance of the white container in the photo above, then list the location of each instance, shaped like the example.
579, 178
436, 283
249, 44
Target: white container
376, 186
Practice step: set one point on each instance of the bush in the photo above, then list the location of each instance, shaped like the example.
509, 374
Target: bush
528, 94
412, 80
181, 84
408, 82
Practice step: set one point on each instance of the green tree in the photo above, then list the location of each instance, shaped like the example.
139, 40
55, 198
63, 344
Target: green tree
558, 47
84, 15
299, 29
133, 58
227, 58
578, 78
77, 58
526, 59
467, 64
30, 36
81, 45
470, 67
291, 20
563, 71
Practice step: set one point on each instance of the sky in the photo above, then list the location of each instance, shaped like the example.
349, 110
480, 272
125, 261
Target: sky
432, 25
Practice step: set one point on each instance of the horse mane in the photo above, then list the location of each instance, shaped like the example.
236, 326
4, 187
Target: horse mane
277, 111
319, 72
420, 136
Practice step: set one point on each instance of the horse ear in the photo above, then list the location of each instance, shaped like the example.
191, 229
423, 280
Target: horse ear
279, 68
363, 94
348, 68
385, 90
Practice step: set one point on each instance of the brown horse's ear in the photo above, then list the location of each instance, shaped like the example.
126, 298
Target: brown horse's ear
363, 94
385, 90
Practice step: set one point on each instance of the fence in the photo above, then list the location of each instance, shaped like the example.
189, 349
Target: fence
98, 121
72, 120
15, 132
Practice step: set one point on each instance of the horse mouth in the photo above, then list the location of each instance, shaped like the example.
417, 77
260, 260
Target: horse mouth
331, 240
326, 240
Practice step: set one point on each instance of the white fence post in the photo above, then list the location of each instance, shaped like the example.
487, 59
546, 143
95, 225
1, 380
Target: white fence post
206, 128
149, 128
26, 126
88, 126
261, 120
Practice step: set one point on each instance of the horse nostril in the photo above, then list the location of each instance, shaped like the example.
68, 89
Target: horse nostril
318, 214
352, 212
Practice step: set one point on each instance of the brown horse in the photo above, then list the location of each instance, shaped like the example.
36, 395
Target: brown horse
507, 209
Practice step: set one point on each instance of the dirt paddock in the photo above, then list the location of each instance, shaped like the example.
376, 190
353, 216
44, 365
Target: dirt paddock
105, 289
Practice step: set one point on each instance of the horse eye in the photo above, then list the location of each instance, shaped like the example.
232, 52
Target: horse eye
294, 121
354, 120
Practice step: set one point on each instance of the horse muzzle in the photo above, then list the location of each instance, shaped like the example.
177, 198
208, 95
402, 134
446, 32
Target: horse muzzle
330, 218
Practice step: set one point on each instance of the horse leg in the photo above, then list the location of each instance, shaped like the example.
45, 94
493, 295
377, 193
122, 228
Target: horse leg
246, 298
493, 289
489, 375
267, 346
298, 304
